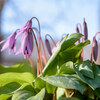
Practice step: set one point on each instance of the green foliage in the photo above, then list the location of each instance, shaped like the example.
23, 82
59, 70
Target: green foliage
22, 95
67, 68
93, 83
66, 48
66, 81
62, 71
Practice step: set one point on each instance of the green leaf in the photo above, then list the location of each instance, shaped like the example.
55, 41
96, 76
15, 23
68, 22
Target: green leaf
39, 84
86, 69
97, 91
69, 42
66, 81
93, 83
66, 43
9, 88
67, 68
22, 95
17, 68
39, 96
72, 54
5, 97
50, 88
60, 92
20, 78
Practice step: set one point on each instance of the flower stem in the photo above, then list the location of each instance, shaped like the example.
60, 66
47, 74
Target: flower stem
66, 93
54, 95
45, 58
39, 55
38, 67
40, 40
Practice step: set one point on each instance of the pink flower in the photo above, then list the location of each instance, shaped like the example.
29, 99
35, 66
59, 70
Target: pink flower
26, 45
10, 43
85, 30
25, 28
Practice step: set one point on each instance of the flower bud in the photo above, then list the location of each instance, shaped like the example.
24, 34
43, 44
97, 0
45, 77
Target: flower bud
85, 30
48, 46
95, 49
77, 31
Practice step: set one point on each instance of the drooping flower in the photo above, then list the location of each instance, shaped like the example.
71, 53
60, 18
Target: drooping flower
95, 49
77, 31
85, 30
10, 43
25, 28
48, 46
26, 45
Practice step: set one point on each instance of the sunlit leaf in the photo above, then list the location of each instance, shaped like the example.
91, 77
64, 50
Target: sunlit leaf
67, 68
66, 81
39, 96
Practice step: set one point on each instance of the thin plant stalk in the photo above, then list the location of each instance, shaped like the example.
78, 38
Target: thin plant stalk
39, 57
45, 58
38, 67
54, 95
40, 40
66, 93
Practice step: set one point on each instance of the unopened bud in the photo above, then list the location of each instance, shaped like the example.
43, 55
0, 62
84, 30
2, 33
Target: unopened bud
95, 49
85, 30
77, 31
48, 46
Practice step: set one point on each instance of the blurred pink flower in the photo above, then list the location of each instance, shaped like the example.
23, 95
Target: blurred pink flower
10, 43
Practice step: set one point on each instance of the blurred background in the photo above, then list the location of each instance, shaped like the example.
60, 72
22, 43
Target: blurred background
56, 18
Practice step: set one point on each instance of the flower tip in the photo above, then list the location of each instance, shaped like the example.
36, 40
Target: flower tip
95, 49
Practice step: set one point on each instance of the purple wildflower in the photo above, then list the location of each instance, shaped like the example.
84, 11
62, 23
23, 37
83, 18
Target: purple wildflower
85, 30
9, 42
25, 28
77, 31
95, 49
48, 46
26, 45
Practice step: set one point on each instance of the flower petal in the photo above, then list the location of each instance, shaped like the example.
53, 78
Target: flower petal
2, 41
18, 52
10, 50
6, 44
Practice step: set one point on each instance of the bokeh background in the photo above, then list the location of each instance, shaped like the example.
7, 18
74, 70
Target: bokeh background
56, 18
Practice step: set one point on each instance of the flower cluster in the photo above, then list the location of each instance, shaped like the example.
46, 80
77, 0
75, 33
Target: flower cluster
26, 41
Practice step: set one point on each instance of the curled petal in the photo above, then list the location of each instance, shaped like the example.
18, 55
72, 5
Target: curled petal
95, 49
77, 29
12, 41
6, 44
85, 30
2, 41
24, 43
20, 32
48, 46
10, 50
18, 52
30, 41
